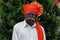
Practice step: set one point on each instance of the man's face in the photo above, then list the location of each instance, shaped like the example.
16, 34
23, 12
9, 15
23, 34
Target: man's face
30, 18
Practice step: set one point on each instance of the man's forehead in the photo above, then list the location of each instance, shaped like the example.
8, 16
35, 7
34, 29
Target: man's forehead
30, 13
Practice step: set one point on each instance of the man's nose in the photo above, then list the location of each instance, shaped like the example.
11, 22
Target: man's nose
31, 16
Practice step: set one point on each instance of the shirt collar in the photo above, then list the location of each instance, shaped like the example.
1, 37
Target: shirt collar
25, 24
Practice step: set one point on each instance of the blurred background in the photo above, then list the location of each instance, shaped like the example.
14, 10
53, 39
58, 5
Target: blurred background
11, 12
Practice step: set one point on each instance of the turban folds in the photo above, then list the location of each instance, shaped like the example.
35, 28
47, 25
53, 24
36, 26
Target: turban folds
33, 7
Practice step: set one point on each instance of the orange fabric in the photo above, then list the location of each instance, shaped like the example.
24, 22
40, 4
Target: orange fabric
39, 31
33, 7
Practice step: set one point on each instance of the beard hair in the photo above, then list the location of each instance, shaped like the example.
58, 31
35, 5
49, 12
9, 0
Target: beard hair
30, 20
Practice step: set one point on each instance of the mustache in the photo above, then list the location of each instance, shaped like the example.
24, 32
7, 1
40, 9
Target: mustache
29, 18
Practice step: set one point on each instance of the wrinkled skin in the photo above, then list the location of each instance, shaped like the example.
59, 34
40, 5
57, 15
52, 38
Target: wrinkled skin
30, 18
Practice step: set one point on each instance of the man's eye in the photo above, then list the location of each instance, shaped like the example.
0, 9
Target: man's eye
28, 14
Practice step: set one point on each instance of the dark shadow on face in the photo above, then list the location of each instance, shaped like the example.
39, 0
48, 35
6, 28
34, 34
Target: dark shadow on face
30, 18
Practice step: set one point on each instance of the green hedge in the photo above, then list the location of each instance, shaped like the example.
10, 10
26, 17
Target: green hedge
11, 12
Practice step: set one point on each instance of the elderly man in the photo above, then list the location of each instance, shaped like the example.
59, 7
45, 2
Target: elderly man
30, 29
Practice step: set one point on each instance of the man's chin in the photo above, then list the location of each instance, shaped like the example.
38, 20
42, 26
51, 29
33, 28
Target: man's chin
30, 21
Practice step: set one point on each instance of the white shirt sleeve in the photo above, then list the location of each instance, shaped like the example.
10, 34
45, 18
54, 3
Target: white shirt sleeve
14, 35
44, 33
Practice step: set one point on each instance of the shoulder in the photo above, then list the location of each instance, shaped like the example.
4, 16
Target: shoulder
19, 25
42, 27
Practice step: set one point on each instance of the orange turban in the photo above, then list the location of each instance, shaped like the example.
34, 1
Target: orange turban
33, 7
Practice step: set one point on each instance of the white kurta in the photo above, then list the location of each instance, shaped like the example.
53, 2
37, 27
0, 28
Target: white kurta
22, 31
